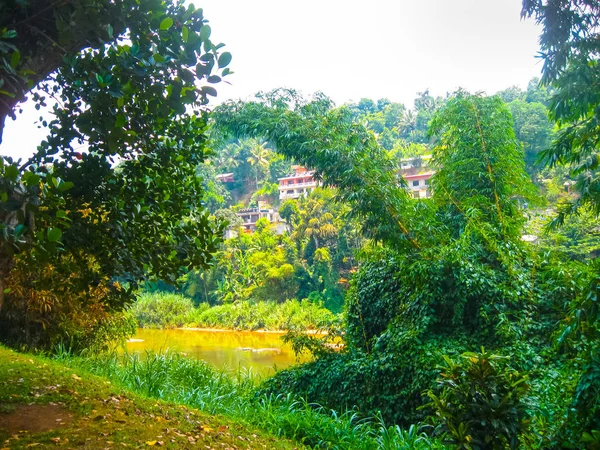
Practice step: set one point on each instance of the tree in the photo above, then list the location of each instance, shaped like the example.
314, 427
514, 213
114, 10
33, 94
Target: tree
130, 197
259, 157
570, 46
343, 153
511, 94
533, 129
480, 167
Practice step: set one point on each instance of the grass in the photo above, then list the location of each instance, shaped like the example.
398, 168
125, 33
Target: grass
166, 310
104, 414
174, 378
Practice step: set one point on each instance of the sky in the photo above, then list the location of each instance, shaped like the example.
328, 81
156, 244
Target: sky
351, 49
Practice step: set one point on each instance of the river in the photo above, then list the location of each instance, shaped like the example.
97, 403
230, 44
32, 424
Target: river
230, 350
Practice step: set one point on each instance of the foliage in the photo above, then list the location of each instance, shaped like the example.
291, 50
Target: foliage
577, 239
469, 280
117, 170
480, 167
351, 157
162, 310
46, 309
169, 376
479, 402
569, 46
533, 129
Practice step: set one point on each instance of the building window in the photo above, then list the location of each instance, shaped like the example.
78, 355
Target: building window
416, 183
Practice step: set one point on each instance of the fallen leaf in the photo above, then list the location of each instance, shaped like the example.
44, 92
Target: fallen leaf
75, 377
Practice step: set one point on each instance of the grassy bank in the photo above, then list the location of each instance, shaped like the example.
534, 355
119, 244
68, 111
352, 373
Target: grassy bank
171, 377
165, 310
47, 403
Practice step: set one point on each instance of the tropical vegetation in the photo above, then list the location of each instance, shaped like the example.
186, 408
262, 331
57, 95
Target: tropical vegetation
469, 317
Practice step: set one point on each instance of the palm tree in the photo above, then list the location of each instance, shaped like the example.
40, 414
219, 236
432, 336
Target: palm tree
228, 155
260, 155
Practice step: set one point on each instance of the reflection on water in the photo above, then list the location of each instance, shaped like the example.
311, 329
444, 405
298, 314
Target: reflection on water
230, 350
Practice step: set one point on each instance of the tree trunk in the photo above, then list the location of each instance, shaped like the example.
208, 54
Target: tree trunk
2, 284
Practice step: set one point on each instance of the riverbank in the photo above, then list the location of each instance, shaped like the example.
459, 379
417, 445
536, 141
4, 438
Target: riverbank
106, 400
165, 310
45, 403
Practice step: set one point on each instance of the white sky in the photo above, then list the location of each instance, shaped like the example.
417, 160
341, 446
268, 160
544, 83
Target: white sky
351, 49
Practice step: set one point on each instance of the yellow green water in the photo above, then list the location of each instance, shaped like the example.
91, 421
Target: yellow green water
230, 350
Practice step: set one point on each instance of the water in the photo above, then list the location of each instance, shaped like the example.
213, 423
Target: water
231, 350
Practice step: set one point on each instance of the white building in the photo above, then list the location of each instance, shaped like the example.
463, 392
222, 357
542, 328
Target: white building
297, 185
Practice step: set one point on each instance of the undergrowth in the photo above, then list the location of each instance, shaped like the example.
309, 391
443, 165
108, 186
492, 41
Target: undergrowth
167, 310
172, 377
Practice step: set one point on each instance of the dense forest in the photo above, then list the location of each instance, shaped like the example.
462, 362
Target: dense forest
435, 263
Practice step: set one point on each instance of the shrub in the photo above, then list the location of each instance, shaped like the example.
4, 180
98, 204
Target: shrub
166, 310
273, 316
43, 309
162, 310
478, 403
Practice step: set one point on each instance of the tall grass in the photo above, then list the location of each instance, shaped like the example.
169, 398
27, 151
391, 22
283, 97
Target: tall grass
166, 310
172, 377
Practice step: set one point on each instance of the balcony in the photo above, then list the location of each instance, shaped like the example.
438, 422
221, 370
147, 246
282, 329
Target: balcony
298, 185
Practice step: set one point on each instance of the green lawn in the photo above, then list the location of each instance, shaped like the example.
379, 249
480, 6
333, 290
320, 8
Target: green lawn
49, 405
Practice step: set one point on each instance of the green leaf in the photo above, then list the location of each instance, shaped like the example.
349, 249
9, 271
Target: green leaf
120, 121
214, 79
158, 58
15, 59
65, 186
166, 24
224, 59
54, 234
20, 230
205, 32
209, 90
11, 172
185, 34
61, 214
30, 179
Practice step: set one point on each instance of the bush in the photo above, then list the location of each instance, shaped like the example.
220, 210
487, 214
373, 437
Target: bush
43, 309
163, 310
267, 315
478, 403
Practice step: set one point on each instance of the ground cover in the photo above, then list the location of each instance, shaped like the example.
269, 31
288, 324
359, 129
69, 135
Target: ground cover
47, 404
